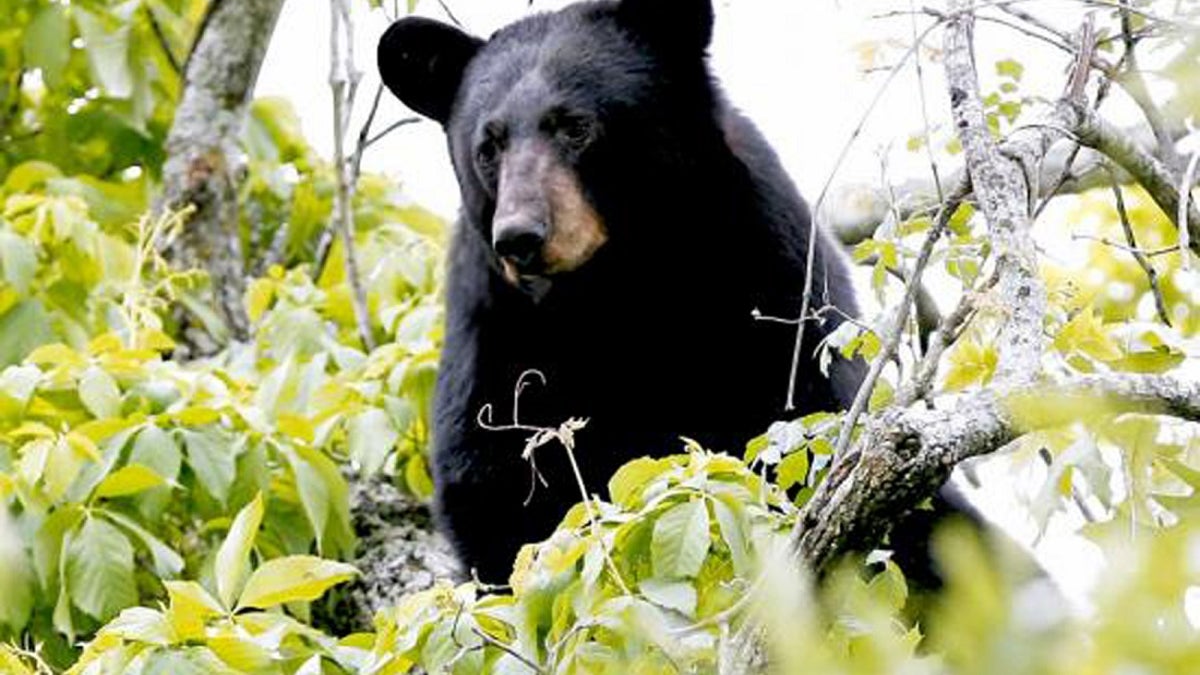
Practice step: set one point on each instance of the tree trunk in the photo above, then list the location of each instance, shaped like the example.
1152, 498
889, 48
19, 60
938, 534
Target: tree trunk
205, 163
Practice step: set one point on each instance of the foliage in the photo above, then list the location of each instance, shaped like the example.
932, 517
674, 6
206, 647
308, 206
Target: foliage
161, 516
120, 468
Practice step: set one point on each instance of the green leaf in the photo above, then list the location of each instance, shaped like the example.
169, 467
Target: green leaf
24, 327
167, 563
730, 519
129, 480
325, 498
371, 438
631, 479
793, 470
47, 43
889, 588
100, 570
140, 624
184, 661
100, 393
680, 541
297, 578
1010, 68
19, 259
17, 581
233, 557
48, 543
212, 455
107, 44
191, 606
677, 595
156, 449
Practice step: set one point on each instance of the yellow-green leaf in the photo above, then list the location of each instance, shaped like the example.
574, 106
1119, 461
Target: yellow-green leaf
100, 393
191, 606
970, 363
1085, 334
680, 541
297, 578
233, 558
129, 480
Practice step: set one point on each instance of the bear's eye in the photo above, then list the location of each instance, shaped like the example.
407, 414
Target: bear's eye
573, 130
487, 154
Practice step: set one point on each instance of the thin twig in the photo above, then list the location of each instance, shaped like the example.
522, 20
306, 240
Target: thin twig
1142, 261
361, 146
389, 129
343, 80
507, 650
813, 234
947, 334
926, 126
895, 332
164, 44
1185, 198
541, 436
1149, 253
450, 14
1135, 85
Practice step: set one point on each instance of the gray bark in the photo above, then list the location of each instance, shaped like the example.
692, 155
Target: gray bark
904, 454
398, 553
204, 161
854, 211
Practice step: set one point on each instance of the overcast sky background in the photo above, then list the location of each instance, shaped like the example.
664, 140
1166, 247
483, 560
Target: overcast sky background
795, 67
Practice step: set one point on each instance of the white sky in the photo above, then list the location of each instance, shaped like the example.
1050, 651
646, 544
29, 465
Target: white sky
793, 66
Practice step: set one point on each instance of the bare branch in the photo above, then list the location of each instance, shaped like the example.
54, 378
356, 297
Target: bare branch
1142, 260
1099, 134
1134, 84
810, 263
1002, 193
343, 80
895, 332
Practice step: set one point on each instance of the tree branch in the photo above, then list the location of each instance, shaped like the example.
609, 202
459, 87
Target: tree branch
343, 80
1100, 134
204, 163
905, 455
1002, 192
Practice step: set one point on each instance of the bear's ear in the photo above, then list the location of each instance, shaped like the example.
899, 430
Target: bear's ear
422, 62
684, 25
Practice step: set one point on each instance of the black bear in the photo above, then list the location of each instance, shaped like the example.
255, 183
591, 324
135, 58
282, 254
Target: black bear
622, 225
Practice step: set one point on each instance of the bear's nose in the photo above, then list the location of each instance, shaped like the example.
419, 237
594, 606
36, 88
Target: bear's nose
520, 244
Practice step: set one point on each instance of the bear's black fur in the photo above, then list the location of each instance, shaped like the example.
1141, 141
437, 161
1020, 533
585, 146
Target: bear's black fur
640, 222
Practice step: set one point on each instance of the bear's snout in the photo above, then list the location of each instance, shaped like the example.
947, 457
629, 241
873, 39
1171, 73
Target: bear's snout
519, 243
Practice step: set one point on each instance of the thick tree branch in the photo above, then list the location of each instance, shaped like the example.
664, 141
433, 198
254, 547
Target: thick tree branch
1159, 181
854, 211
204, 162
1002, 193
905, 455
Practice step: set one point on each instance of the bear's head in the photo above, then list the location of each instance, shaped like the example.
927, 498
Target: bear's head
560, 125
